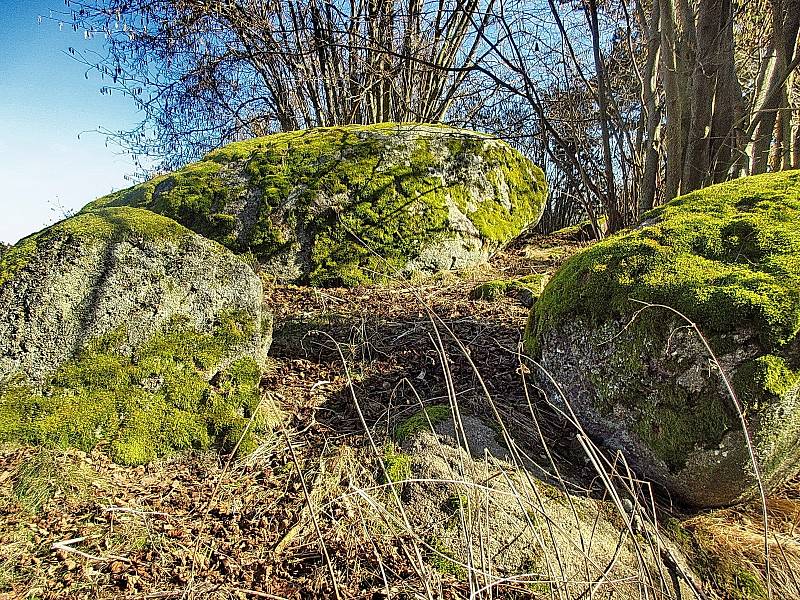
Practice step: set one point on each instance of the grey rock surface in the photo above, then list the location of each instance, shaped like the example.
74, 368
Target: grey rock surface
654, 394
119, 268
480, 511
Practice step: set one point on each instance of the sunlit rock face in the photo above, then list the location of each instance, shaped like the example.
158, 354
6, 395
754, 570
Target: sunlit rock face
640, 378
353, 205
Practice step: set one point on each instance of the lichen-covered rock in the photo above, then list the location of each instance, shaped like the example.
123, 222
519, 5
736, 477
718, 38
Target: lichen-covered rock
477, 511
727, 257
123, 326
352, 205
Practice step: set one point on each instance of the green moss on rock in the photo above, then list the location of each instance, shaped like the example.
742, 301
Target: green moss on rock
727, 257
421, 421
355, 203
147, 404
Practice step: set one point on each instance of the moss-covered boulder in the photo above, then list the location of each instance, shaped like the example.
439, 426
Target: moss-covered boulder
351, 205
728, 258
123, 327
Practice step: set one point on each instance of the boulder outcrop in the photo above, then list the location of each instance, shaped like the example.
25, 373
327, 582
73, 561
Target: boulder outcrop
353, 205
123, 327
637, 376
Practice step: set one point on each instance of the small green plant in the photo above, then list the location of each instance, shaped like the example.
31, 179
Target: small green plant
43, 475
440, 559
456, 503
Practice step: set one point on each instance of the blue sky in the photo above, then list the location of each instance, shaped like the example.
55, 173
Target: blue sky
45, 104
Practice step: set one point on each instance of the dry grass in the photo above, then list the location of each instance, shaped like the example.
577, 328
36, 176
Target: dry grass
313, 512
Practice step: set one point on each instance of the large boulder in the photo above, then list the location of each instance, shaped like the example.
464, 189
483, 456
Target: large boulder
728, 258
123, 327
352, 205
479, 513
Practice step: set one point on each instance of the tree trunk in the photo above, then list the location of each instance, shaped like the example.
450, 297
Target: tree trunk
615, 219
772, 97
647, 187
727, 103
674, 74
696, 168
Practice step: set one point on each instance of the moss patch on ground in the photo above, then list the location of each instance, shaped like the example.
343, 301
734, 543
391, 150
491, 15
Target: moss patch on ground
147, 404
527, 289
430, 415
365, 211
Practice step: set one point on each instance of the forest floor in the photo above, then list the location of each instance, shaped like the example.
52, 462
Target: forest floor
346, 368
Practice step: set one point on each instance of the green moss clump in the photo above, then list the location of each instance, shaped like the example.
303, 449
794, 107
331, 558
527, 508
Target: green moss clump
764, 378
441, 559
715, 563
147, 404
490, 290
398, 465
727, 256
16, 258
519, 178
420, 421
359, 213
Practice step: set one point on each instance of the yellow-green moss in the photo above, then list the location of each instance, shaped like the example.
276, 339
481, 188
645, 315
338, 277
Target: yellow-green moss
727, 256
398, 464
420, 421
191, 196
145, 405
513, 175
763, 378
365, 212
